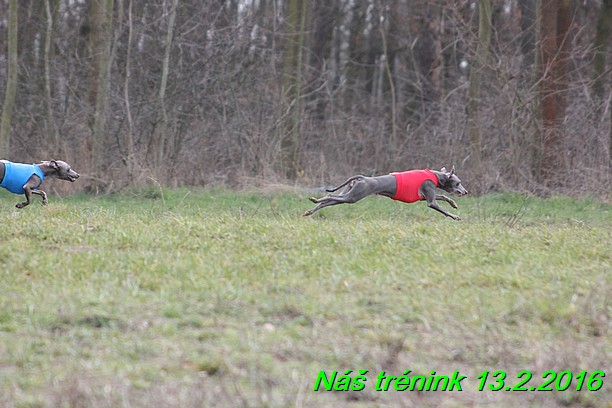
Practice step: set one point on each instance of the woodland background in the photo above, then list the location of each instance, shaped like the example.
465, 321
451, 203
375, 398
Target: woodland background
515, 93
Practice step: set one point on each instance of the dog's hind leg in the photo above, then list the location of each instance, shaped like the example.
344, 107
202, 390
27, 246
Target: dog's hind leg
326, 202
317, 200
358, 188
43, 195
350, 183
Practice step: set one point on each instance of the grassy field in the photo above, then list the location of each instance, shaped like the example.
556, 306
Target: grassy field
217, 298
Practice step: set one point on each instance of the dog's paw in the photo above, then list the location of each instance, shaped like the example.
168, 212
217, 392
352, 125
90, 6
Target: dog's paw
44, 201
307, 213
455, 217
314, 199
453, 204
20, 205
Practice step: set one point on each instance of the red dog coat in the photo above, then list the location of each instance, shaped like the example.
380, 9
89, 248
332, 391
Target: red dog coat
408, 183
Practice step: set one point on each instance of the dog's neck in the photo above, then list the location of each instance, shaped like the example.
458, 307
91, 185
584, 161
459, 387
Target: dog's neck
46, 168
442, 177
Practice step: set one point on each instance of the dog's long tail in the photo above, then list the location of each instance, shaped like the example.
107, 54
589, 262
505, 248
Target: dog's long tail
331, 190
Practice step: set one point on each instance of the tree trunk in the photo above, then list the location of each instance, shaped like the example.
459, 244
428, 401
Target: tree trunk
101, 22
528, 30
126, 96
602, 39
564, 20
387, 62
600, 75
11, 80
292, 87
548, 51
555, 18
162, 130
51, 128
324, 15
476, 77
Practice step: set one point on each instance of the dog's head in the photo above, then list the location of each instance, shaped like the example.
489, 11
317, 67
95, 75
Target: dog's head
62, 171
451, 183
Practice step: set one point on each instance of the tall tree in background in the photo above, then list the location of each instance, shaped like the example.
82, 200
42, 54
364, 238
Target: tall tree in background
297, 17
602, 39
478, 65
600, 74
387, 68
162, 130
129, 137
101, 24
528, 30
11, 81
51, 129
555, 18
323, 21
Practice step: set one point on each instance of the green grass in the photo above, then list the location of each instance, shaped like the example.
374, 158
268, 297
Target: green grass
217, 298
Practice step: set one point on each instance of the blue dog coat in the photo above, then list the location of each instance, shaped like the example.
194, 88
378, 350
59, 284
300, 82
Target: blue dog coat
17, 174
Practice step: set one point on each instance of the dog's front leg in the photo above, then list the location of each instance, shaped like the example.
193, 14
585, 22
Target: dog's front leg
435, 206
448, 200
28, 188
27, 191
428, 190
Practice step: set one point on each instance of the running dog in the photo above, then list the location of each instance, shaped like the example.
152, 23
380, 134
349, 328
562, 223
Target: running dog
20, 178
408, 186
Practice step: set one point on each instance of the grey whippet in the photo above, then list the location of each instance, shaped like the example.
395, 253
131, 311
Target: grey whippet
409, 186
20, 178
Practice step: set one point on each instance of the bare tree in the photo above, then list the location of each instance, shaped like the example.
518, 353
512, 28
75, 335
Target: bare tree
11, 82
101, 23
297, 17
479, 64
388, 71
130, 157
602, 40
600, 74
555, 17
162, 130
50, 127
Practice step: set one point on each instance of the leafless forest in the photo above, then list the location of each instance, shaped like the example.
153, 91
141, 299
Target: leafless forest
515, 93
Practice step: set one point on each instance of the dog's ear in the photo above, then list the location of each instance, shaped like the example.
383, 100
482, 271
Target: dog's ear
53, 164
443, 169
452, 170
